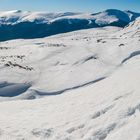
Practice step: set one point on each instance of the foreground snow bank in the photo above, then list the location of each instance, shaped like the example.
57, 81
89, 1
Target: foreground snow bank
106, 110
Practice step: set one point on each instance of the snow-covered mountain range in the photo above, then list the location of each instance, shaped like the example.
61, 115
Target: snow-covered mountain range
24, 24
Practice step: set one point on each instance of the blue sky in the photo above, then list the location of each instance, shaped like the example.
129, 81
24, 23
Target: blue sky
69, 5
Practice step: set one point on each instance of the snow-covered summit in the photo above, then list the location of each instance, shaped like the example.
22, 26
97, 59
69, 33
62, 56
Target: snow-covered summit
112, 15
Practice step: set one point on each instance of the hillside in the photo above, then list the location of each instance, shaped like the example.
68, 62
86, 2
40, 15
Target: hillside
82, 85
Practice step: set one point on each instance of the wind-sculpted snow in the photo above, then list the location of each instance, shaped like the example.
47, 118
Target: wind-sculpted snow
28, 25
133, 54
11, 89
54, 65
82, 85
63, 63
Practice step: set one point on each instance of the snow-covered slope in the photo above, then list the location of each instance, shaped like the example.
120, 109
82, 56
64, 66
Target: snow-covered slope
87, 83
40, 24
132, 30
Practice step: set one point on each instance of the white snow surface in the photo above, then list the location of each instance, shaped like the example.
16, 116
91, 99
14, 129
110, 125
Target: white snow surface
84, 85
102, 18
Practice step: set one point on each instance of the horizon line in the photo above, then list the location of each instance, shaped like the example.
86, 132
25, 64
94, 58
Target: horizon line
72, 11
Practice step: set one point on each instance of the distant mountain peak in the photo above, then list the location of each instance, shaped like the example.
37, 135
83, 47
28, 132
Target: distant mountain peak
113, 10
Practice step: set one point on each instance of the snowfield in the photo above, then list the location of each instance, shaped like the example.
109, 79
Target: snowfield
82, 85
